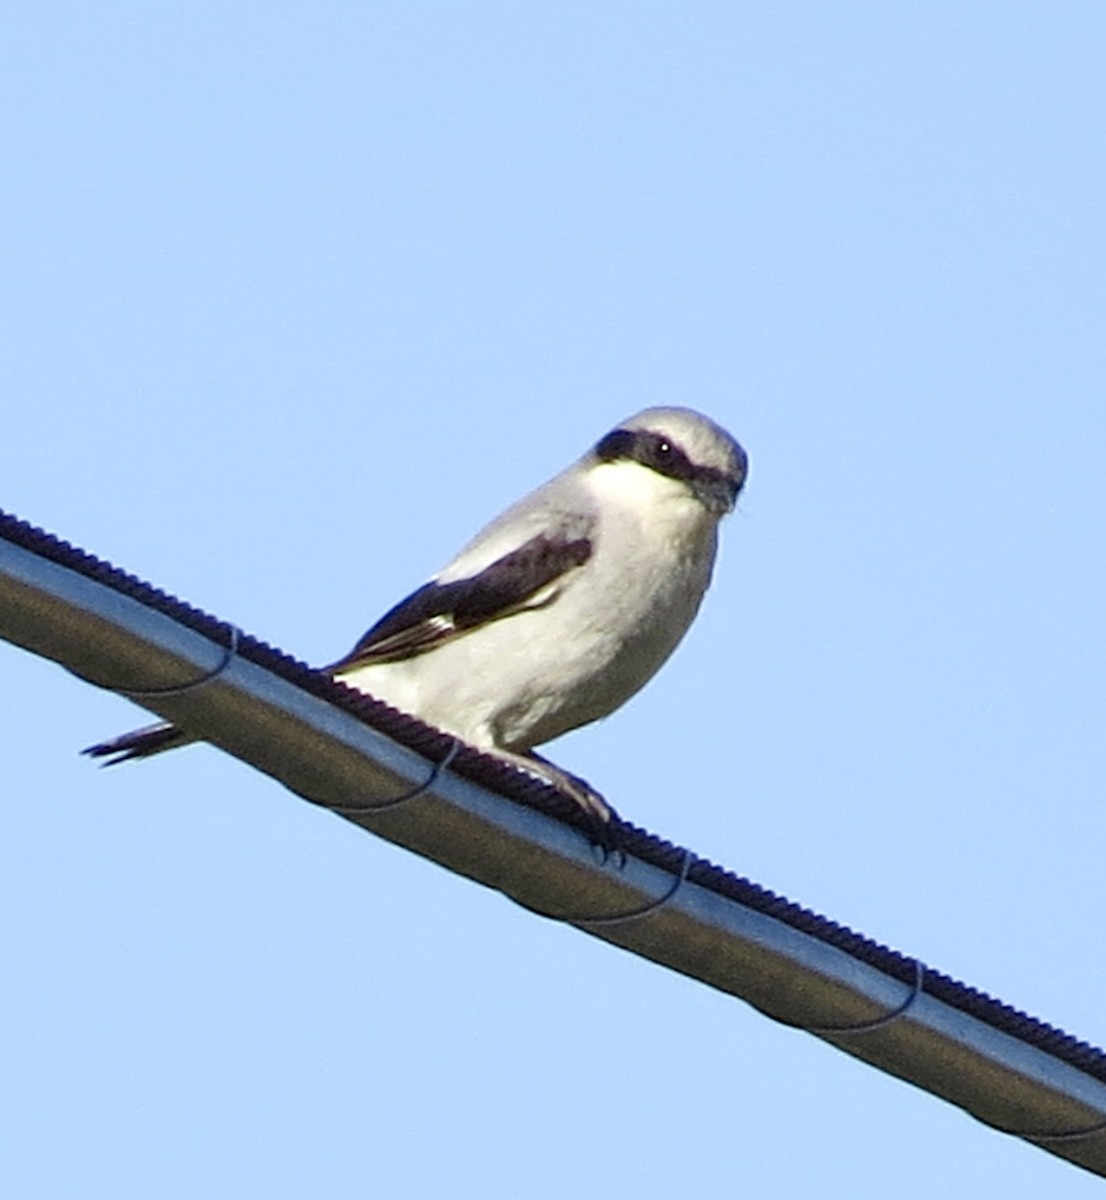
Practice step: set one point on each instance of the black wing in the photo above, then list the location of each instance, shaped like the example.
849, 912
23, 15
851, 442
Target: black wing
438, 612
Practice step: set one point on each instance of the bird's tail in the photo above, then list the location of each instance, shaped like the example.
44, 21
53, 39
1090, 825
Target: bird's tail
139, 743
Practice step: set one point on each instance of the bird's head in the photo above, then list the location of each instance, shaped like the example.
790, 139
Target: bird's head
683, 445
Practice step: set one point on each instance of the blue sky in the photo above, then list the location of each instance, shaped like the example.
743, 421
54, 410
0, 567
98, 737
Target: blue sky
295, 297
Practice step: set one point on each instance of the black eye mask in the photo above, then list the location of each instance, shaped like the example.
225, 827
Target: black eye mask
662, 455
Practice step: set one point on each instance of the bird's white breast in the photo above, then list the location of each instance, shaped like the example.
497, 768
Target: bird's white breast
606, 628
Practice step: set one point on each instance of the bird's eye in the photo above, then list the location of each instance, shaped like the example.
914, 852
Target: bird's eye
664, 447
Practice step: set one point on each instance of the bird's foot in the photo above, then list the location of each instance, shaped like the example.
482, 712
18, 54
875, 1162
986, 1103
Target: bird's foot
603, 824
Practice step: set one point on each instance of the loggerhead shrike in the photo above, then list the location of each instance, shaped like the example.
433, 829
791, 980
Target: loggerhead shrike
559, 610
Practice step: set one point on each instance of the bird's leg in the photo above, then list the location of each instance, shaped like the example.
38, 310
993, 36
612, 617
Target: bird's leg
579, 790
601, 818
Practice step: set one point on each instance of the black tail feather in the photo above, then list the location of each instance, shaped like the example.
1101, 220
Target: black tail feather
139, 743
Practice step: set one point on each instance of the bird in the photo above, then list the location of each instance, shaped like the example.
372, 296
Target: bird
559, 610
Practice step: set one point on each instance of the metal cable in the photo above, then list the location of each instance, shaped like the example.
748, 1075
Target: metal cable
1076, 1135
229, 651
357, 810
605, 921
879, 1022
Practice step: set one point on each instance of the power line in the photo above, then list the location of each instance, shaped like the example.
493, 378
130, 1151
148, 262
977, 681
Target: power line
417, 787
